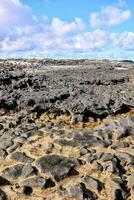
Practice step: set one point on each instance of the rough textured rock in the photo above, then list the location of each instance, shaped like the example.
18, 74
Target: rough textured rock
72, 191
28, 170
4, 144
3, 153
21, 157
92, 183
14, 171
77, 191
118, 189
66, 129
57, 166
39, 182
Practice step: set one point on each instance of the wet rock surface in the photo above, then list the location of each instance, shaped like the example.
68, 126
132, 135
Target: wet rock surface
66, 130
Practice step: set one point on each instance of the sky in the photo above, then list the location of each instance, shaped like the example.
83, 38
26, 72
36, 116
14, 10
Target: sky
99, 29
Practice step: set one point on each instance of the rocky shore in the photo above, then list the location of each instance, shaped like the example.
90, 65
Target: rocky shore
66, 129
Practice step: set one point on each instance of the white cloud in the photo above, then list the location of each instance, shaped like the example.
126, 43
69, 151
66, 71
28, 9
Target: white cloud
41, 40
44, 39
109, 16
23, 35
91, 40
60, 27
123, 40
13, 13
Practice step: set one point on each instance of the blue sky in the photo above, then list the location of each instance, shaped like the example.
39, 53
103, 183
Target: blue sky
67, 29
67, 10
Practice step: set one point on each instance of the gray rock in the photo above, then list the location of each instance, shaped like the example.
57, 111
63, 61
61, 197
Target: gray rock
72, 191
119, 144
77, 118
17, 132
64, 142
12, 124
125, 158
117, 192
93, 151
13, 147
99, 155
4, 144
97, 166
78, 188
120, 133
107, 156
20, 140
28, 170
83, 151
92, 183
49, 125
3, 153
21, 157
52, 165
129, 130
111, 166
88, 194
91, 158
34, 182
104, 134
132, 118
29, 133
7, 136
13, 172
124, 121
87, 139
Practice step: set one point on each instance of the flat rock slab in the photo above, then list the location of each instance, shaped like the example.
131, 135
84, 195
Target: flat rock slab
35, 182
21, 157
13, 172
55, 165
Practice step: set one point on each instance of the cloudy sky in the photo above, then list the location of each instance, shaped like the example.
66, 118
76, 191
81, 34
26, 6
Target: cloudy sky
67, 28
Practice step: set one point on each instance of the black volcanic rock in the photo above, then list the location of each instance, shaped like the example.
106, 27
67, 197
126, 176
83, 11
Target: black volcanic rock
91, 90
